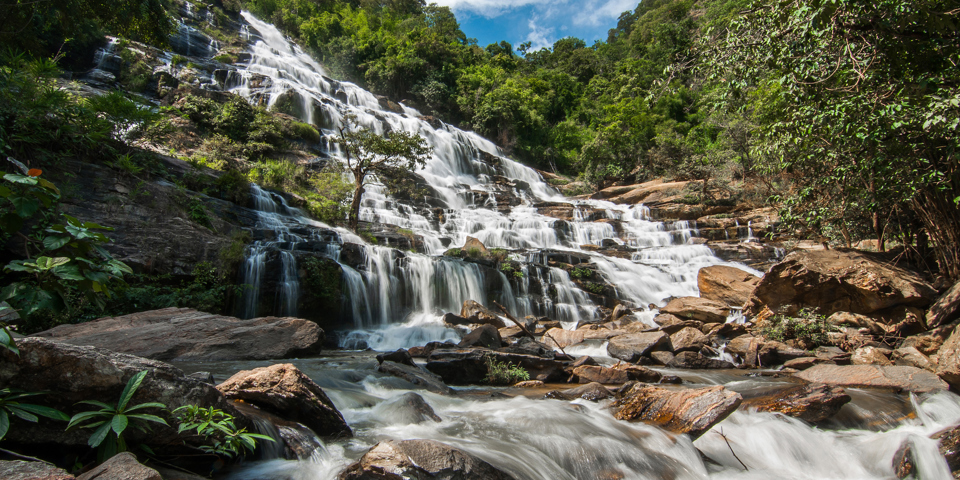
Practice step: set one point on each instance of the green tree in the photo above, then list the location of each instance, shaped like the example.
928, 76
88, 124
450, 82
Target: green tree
370, 157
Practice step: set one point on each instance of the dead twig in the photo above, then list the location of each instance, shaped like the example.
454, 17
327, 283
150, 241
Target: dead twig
522, 328
724, 437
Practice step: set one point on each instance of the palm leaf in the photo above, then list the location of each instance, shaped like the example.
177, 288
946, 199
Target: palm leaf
132, 385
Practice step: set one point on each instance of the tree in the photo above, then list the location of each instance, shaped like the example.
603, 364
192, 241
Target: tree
370, 157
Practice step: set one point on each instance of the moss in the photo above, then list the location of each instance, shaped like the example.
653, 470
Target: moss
322, 278
234, 253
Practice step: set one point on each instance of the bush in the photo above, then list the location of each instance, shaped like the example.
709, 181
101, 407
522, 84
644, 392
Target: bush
594, 288
474, 252
502, 373
581, 273
234, 119
808, 328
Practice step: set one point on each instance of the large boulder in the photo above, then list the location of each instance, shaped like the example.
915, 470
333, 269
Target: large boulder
71, 373
183, 334
946, 309
698, 361
911, 357
729, 285
483, 336
408, 408
21, 470
416, 375
909, 379
690, 411
560, 338
476, 313
688, 339
813, 403
616, 375
949, 360
284, 390
474, 244
122, 466
632, 346
696, 308
420, 459
462, 366
837, 281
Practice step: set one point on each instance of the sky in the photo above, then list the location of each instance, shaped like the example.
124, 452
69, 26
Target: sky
540, 22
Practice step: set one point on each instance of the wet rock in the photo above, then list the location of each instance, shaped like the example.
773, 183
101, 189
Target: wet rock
728, 285
21, 470
690, 411
476, 313
417, 376
948, 442
688, 339
698, 361
468, 366
746, 348
909, 379
812, 403
696, 308
420, 459
662, 357
593, 392
837, 281
599, 332
73, 373
946, 309
584, 360
632, 346
527, 346
618, 312
528, 384
670, 324
804, 363
911, 357
558, 337
904, 461
408, 408
949, 359
483, 336
183, 334
285, 391
615, 375
511, 332
869, 356
205, 377
399, 356
122, 466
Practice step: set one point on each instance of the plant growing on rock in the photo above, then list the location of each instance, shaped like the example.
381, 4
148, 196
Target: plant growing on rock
111, 421
581, 273
217, 426
808, 328
11, 405
502, 373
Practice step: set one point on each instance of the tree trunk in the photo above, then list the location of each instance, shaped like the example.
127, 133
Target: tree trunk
355, 207
878, 228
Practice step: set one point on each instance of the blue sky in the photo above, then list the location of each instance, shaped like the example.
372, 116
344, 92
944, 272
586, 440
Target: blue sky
540, 22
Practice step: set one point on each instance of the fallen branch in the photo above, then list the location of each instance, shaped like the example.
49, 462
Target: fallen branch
555, 342
24, 457
522, 328
724, 437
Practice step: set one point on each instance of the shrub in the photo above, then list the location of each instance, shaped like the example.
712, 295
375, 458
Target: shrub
235, 252
594, 288
498, 254
453, 252
474, 252
235, 118
304, 131
217, 426
581, 273
808, 328
198, 213
178, 59
502, 373
11, 404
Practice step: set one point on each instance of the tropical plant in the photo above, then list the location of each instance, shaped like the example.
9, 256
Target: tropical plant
112, 421
502, 373
217, 426
10, 404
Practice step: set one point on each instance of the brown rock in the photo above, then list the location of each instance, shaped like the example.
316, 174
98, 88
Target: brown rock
472, 243
558, 337
926, 344
632, 346
529, 384
183, 334
20, 470
398, 356
473, 312
812, 403
948, 442
900, 378
804, 363
855, 320
284, 390
393, 460
696, 360
946, 309
690, 411
729, 285
618, 312
911, 357
746, 348
483, 336
122, 466
837, 281
869, 356
615, 375
948, 359
688, 339
599, 332
696, 308
417, 376
593, 392
662, 357
460, 366
409, 408
672, 328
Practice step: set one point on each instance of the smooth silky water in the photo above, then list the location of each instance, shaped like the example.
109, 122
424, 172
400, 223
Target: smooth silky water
527, 437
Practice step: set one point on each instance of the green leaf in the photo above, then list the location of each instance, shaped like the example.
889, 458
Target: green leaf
146, 405
54, 242
148, 418
4, 423
46, 263
5, 192
51, 413
96, 276
80, 417
132, 385
23, 179
98, 403
119, 424
25, 206
101, 433
69, 272
22, 414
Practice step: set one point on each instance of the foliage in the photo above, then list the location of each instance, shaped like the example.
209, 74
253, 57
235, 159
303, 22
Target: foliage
808, 328
323, 280
502, 373
474, 252
112, 421
581, 273
497, 254
594, 288
11, 405
197, 212
453, 252
217, 426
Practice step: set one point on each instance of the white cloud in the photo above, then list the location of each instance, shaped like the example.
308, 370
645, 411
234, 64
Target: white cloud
598, 12
487, 8
539, 37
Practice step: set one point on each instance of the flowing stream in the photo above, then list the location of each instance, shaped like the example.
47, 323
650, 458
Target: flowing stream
395, 299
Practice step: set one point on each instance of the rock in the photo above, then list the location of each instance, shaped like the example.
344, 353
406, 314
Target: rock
599, 332
619, 311
948, 360
454, 319
904, 461
558, 337
698, 361
746, 348
661, 357
183, 334
855, 320
406, 409
122, 466
205, 377
476, 313
417, 376
896, 377
593, 392
696, 308
468, 366
728, 285
584, 360
171, 474
690, 411
672, 328
632, 346
837, 281
284, 390
8, 315
911, 357
804, 363
926, 344
400, 356
472, 243
812, 403
528, 384
946, 309
688, 339
483, 336
511, 332
615, 375
869, 356
665, 319
948, 442
20, 470
71, 374
420, 459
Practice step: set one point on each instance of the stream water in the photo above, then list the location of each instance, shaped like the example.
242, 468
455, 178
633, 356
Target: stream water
395, 299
